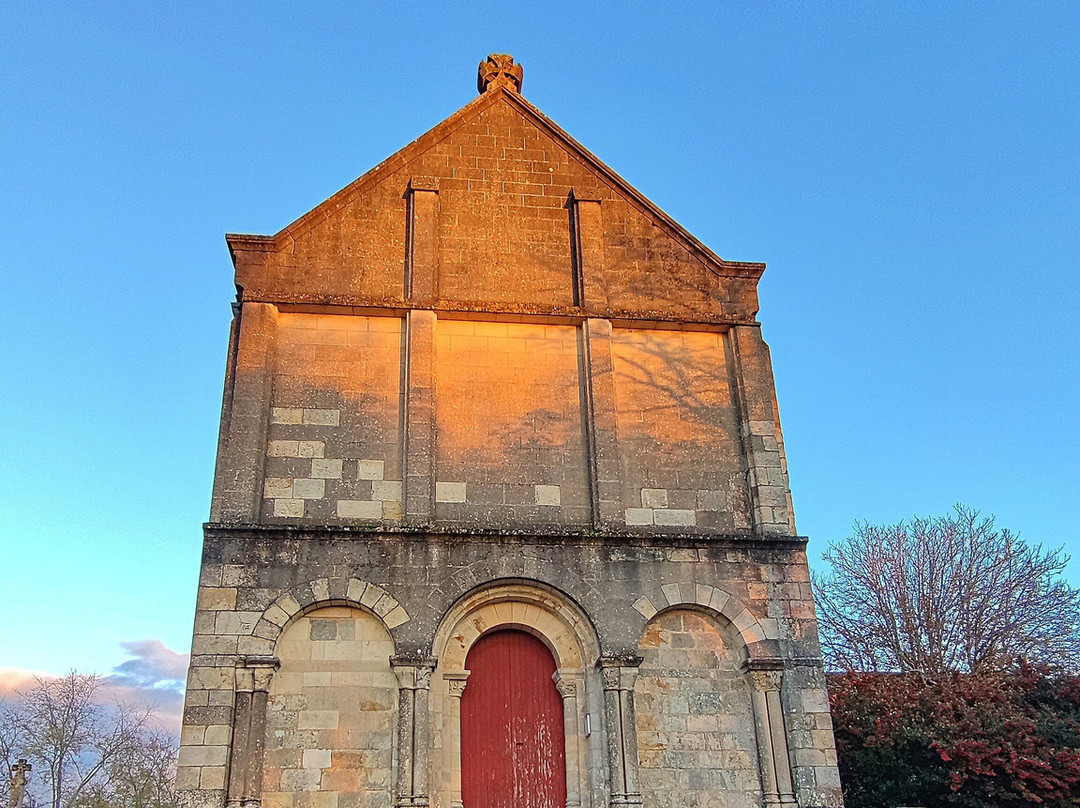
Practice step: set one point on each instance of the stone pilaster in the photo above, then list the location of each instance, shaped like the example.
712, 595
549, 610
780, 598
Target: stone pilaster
238, 490
775, 763
422, 241
253, 677
605, 463
419, 434
618, 676
414, 730
587, 245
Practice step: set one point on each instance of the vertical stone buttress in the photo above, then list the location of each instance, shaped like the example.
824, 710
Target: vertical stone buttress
422, 241
240, 461
759, 425
419, 419
587, 252
605, 462
422, 289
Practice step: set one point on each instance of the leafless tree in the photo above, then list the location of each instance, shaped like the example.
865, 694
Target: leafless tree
949, 593
84, 752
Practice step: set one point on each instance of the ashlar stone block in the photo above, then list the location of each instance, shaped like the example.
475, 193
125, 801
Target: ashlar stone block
548, 495
450, 492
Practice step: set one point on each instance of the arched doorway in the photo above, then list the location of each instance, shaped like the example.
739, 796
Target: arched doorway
512, 736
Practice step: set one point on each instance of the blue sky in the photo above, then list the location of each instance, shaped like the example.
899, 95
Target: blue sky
908, 173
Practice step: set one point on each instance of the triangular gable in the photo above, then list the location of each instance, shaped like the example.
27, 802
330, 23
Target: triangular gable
515, 215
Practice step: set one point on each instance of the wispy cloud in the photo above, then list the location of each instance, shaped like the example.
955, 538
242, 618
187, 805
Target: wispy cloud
153, 677
153, 665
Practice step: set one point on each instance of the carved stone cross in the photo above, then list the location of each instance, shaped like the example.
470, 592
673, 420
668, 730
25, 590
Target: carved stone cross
18, 782
499, 70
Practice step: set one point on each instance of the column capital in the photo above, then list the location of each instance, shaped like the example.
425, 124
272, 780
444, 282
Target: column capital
413, 673
254, 673
566, 682
766, 680
419, 183
456, 681
764, 674
618, 672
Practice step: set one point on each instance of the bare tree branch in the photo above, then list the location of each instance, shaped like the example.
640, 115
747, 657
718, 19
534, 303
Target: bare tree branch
947, 593
85, 754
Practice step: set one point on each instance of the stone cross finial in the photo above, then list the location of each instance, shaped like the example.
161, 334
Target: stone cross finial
499, 70
18, 782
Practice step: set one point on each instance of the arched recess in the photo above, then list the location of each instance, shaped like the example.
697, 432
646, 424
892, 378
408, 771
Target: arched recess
259, 676
730, 731
695, 721
330, 711
555, 620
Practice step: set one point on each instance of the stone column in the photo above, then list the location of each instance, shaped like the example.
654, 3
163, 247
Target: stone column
587, 245
567, 683
419, 432
618, 676
605, 462
253, 677
422, 241
238, 484
414, 730
774, 761
456, 681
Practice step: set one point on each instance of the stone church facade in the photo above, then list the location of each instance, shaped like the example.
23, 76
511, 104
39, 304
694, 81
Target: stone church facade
501, 513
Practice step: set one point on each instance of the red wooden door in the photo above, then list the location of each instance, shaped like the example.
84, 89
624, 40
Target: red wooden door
513, 751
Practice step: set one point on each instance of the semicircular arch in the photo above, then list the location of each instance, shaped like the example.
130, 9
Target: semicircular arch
519, 603
321, 592
751, 631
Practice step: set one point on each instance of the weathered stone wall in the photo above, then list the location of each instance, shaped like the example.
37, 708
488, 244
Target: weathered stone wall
503, 232
256, 582
489, 385
518, 436
678, 430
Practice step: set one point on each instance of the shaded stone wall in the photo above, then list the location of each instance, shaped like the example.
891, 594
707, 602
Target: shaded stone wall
678, 431
334, 438
528, 423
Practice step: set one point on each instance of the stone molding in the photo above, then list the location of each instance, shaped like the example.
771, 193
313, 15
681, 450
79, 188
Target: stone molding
777, 784
253, 675
618, 675
414, 729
